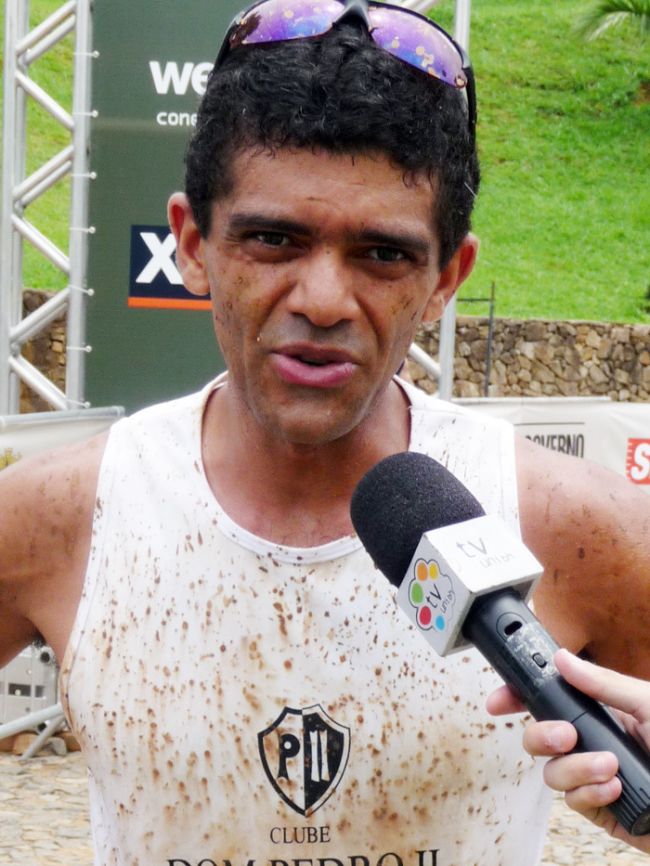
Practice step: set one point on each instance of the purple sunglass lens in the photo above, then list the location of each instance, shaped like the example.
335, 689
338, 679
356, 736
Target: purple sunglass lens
279, 20
418, 43
412, 39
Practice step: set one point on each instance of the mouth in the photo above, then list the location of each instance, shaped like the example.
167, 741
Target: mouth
313, 362
313, 366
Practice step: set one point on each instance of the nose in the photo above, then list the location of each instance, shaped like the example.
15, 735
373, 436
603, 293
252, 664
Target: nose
324, 289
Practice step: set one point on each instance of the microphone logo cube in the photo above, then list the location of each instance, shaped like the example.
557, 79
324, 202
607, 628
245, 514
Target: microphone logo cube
455, 564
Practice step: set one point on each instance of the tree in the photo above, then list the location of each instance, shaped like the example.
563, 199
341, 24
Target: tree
604, 14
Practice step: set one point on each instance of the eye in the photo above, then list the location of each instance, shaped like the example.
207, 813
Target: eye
387, 255
271, 239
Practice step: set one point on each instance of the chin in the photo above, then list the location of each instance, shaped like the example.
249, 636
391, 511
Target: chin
306, 433
313, 438
312, 420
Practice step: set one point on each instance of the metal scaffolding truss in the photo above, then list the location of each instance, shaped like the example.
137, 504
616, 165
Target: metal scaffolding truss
22, 48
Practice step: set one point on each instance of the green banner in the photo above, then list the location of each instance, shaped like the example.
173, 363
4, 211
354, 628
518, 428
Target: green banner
151, 340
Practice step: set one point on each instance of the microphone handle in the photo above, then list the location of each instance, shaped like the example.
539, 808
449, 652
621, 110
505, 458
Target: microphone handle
520, 649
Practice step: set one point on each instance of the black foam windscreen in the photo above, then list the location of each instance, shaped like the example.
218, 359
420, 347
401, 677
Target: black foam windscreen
400, 499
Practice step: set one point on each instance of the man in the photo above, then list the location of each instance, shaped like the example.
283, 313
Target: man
242, 685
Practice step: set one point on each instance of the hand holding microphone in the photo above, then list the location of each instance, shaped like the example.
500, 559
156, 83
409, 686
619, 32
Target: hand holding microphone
463, 578
589, 781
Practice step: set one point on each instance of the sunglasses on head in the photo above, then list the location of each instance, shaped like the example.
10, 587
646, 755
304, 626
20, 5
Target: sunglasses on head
407, 35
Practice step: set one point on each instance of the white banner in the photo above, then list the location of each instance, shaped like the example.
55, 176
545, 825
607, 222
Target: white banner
616, 435
22, 435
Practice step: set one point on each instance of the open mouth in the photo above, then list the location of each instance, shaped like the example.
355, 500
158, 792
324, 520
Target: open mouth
312, 369
313, 362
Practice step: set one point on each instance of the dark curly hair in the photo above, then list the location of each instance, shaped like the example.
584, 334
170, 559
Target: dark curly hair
342, 93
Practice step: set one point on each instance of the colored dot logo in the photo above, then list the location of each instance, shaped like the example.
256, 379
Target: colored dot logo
426, 570
430, 593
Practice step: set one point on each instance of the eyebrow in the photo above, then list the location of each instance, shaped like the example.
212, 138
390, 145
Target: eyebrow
403, 239
245, 220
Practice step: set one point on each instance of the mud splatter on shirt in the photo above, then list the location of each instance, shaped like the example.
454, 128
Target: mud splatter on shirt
240, 702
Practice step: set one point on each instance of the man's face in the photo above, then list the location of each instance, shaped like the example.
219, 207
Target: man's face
320, 267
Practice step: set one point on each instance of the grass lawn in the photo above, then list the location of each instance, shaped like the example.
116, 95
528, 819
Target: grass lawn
564, 132
564, 137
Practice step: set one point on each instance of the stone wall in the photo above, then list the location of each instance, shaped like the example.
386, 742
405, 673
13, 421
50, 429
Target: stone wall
46, 352
531, 358
535, 358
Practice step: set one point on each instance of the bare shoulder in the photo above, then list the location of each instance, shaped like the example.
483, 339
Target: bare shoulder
46, 510
591, 530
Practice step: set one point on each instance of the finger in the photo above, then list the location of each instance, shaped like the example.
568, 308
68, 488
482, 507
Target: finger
592, 771
617, 690
589, 800
504, 700
549, 739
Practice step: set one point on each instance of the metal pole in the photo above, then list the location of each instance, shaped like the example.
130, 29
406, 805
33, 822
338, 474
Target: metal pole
11, 139
52, 728
61, 160
40, 318
430, 367
39, 383
33, 720
78, 249
462, 22
448, 322
20, 161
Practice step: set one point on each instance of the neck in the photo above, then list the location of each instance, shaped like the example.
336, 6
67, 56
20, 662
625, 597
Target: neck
298, 495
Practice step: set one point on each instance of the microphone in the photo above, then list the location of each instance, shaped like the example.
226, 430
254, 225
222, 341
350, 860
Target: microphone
464, 578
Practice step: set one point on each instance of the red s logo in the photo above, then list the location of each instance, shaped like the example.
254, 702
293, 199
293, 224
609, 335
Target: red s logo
638, 461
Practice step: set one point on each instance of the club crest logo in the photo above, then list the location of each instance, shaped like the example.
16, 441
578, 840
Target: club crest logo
304, 754
432, 595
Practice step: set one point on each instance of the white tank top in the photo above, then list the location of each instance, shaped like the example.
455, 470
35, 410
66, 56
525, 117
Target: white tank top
242, 703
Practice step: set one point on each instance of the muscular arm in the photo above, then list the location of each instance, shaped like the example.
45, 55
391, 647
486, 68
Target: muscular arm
46, 508
591, 530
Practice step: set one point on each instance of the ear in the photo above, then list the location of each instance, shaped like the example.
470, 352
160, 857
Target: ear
453, 275
189, 245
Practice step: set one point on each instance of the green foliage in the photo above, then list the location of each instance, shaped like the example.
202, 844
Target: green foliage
603, 14
564, 210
